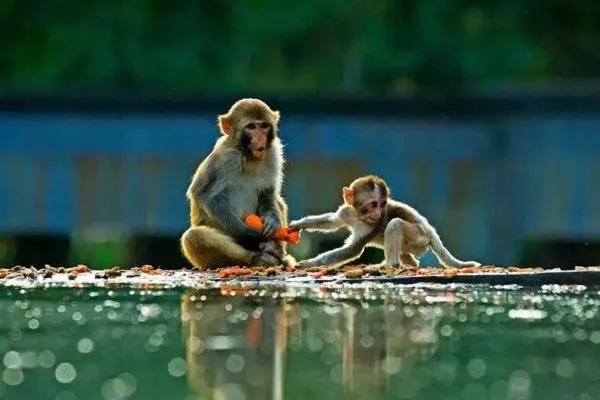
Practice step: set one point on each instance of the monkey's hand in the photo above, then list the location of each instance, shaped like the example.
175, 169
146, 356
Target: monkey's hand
271, 222
296, 225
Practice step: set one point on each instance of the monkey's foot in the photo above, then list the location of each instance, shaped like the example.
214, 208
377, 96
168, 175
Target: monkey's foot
289, 261
470, 264
397, 265
272, 247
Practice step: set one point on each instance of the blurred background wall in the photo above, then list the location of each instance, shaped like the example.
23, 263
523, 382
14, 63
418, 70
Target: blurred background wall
484, 116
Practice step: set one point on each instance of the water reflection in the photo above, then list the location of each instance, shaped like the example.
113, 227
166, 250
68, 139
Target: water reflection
89, 344
411, 343
250, 342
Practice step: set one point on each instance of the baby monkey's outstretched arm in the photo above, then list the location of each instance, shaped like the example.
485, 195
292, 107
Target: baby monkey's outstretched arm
351, 250
327, 222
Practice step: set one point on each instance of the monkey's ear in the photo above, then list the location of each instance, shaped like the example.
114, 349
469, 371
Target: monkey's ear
348, 196
224, 124
276, 117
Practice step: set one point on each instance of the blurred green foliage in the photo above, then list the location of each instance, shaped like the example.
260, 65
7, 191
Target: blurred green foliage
335, 46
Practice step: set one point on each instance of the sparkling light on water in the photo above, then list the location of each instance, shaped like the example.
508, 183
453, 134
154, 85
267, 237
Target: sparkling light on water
12, 377
177, 367
65, 373
12, 359
235, 363
414, 342
46, 359
120, 387
85, 346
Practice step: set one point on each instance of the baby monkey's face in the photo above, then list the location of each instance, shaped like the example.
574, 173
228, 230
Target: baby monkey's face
370, 205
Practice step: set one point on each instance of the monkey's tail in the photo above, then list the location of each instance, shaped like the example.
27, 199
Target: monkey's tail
443, 254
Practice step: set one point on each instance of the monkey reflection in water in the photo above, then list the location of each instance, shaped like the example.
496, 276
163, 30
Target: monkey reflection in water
240, 348
235, 346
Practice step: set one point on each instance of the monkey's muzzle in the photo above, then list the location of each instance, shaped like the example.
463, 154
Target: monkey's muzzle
259, 152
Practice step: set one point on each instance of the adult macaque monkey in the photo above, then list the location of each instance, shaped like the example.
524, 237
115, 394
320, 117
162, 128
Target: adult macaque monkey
376, 220
242, 175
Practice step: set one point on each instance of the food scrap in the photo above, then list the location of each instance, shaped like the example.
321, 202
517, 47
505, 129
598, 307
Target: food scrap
149, 275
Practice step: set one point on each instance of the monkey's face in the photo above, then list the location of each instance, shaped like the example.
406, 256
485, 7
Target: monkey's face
252, 126
370, 206
256, 138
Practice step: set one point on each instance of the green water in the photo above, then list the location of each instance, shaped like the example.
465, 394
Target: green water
429, 342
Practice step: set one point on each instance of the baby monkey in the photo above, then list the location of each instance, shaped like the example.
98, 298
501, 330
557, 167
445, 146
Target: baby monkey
375, 219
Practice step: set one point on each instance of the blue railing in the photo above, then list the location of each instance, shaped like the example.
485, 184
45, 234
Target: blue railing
486, 183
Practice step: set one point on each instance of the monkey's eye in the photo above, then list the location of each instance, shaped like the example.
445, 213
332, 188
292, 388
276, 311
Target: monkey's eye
264, 125
251, 126
383, 203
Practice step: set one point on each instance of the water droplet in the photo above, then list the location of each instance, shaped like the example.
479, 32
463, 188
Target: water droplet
595, 337
12, 377
565, 368
85, 346
476, 368
46, 359
177, 367
161, 329
235, 363
12, 359
65, 373
33, 324
367, 341
121, 387
580, 334
150, 310
155, 340
446, 330
519, 384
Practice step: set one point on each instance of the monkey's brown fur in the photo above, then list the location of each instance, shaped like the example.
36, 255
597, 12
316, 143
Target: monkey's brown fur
229, 184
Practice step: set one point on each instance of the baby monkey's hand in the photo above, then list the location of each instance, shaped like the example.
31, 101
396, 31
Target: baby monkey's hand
296, 225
